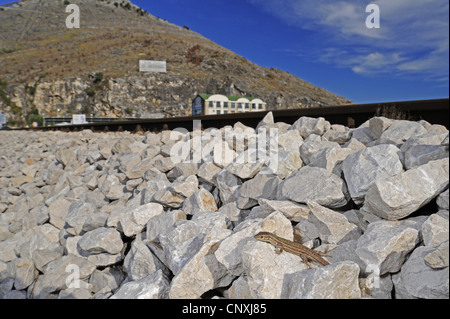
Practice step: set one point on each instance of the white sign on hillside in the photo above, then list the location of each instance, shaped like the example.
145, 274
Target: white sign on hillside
79, 119
152, 66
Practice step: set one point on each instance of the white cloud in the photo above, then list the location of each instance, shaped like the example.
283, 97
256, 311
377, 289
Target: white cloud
413, 38
347, 18
375, 63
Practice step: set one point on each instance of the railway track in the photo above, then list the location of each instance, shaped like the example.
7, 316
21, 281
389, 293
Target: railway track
434, 111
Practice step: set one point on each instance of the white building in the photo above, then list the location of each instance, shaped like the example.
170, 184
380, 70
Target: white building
206, 104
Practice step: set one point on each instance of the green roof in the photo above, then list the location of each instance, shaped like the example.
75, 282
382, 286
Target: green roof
231, 98
205, 96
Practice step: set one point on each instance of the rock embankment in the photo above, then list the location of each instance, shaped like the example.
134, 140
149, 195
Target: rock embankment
173, 215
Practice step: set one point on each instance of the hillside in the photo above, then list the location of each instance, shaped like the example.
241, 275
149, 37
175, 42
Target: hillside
95, 69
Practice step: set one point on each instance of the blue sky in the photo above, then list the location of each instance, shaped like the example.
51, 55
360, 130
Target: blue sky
327, 43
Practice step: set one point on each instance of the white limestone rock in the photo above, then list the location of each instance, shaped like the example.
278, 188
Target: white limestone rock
75, 293
376, 287
105, 259
127, 161
59, 275
439, 258
262, 186
445, 142
200, 201
154, 286
435, 231
140, 262
363, 134
442, 200
67, 157
207, 172
243, 168
338, 133
336, 281
433, 128
424, 139
385, 245
378, 125
308, 125
307, 233
315, 184
163, 164
400, 131
183, 169
105, 281
101, 240
231, 211
106, 182
286, 163
223, 154
239, 289
333, 227
228, 185
26, 273
115, 192
185, 185
77, 215
345, 252
42, 257
363, 168
94, 221
331, 159
122, 145
134, 221
420, 280
201, 273
354, 145
418, 155
399, 196
313, 144
293, 211
140, 167
161, 223
290, 141
167, 197
266, 271
58, 212
32, 241
186, 237
267, 121
230, 250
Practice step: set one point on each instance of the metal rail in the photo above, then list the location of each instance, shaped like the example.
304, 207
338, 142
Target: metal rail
53, 121
434, 111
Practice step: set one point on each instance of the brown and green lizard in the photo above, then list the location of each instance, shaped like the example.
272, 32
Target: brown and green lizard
294, 248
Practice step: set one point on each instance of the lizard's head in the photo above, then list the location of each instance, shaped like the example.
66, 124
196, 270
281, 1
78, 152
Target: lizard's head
264, 236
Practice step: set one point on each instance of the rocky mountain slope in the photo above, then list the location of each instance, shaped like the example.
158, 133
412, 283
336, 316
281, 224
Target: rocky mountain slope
95, 69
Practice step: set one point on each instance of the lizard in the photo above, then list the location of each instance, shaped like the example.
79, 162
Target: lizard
292, 247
